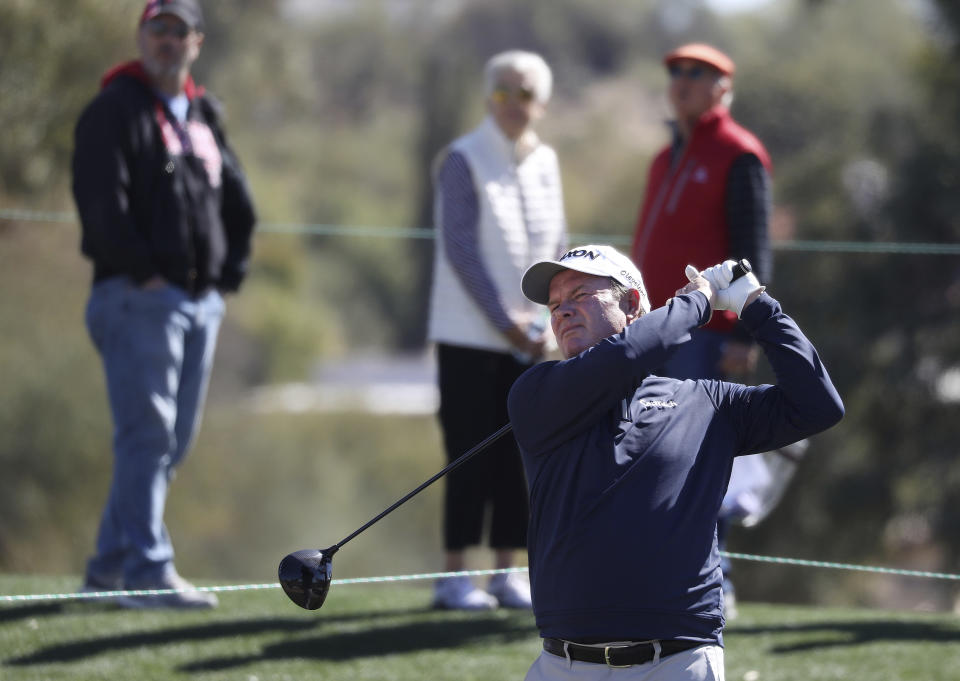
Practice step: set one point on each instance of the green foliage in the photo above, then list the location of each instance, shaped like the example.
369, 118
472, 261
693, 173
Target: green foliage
52, 409
49, 72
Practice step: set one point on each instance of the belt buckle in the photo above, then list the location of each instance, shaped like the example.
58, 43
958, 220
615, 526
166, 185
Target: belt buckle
606, 658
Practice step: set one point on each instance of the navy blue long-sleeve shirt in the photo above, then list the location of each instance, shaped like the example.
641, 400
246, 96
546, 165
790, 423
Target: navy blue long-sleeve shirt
627, 471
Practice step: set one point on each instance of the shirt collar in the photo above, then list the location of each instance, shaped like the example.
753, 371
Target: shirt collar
515, 150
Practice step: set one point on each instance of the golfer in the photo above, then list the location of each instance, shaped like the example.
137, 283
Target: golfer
627, 470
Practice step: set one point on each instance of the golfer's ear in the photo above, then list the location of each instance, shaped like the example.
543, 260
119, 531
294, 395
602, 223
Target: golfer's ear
630, 304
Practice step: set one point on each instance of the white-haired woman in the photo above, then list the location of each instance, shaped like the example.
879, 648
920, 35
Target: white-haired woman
498, 208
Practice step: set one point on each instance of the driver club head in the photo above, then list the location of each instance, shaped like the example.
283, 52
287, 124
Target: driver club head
306, 575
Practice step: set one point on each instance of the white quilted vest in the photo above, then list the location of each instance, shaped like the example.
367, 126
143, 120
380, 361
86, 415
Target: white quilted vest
521, 221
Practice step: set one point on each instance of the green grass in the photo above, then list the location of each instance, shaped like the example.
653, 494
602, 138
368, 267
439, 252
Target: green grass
386, 631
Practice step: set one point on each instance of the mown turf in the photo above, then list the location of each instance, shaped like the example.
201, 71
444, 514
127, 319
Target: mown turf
387, 632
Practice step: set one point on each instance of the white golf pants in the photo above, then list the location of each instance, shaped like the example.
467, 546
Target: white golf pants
704, 663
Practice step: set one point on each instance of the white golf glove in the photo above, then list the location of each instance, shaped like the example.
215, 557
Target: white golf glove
729, 294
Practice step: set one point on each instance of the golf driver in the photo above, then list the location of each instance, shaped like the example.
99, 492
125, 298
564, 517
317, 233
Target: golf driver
306, 575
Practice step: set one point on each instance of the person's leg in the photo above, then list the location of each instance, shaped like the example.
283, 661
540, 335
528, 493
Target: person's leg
729, 592
550, 667
508, 483
510, 505
105, 568
198, 352
205, 316
139, 336
465, 418
704, 663
464, 415
454, 560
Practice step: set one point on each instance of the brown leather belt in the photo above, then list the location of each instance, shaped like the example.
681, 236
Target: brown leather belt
615, 655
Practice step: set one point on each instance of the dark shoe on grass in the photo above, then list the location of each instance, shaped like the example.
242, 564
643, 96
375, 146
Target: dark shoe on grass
93, 584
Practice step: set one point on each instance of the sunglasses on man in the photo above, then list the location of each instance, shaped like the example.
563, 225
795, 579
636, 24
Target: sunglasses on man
158, 29
502, 93
692, 73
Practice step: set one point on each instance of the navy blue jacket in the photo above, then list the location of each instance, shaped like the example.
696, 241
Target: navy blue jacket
627, 470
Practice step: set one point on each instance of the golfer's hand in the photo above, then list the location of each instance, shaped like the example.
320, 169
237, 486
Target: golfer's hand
730, 294
698, 283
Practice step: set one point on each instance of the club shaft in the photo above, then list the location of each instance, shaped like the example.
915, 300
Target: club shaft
462, 459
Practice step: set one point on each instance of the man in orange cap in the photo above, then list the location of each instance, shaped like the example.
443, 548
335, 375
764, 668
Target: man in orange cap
708, 199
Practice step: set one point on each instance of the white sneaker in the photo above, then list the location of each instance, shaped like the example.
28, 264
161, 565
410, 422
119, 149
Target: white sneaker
512, 590
459, 593
187, 595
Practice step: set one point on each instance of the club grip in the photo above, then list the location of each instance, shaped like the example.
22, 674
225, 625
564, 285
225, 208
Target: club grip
741, 268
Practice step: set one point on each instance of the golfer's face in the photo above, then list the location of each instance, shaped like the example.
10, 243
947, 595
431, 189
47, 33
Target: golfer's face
583, 311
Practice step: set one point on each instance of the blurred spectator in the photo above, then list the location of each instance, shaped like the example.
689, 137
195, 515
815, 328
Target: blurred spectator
708, 199
167, 222
498, 208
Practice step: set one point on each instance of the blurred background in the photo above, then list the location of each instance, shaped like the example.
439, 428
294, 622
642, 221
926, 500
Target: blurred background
322, 407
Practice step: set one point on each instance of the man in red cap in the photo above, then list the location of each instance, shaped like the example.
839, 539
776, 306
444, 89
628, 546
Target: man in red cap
708, 199
166, 221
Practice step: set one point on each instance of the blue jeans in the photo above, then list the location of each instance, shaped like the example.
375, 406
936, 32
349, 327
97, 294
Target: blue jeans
157, 348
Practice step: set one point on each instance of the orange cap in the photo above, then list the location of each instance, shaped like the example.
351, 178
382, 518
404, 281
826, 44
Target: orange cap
702, 52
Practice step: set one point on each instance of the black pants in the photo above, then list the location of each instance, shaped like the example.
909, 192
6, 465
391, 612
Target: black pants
473, 404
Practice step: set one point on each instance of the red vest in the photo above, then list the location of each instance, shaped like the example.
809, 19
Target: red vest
683, 220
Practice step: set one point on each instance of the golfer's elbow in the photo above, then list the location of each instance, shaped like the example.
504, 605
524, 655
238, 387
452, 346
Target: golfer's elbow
819, 410
829, 413
836, 411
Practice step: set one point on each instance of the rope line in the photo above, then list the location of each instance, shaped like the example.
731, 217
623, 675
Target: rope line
841, 566
84, 595
19, 598
362, 231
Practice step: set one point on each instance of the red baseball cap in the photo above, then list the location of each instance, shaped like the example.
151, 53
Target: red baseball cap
702, 52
